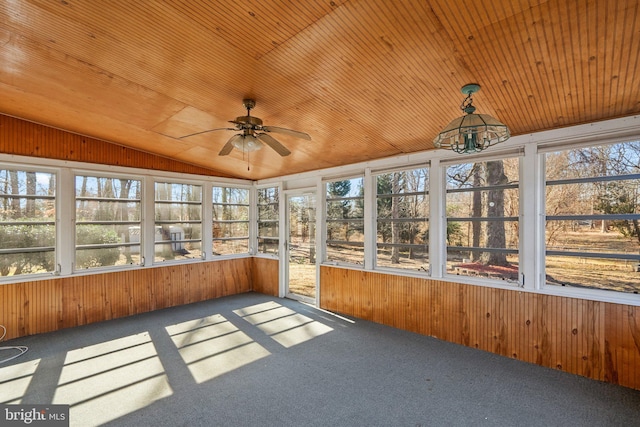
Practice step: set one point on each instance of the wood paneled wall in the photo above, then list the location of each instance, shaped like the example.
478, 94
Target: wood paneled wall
265, 276
29, 308
595, 339
24, 138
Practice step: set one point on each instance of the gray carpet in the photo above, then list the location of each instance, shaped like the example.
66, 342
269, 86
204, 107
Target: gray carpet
256, 360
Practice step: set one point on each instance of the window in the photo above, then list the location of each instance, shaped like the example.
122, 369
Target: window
27, 222
345, 221
108, 216
230, 220
402, 219
268, 214
592, 231
482, 212
178, 225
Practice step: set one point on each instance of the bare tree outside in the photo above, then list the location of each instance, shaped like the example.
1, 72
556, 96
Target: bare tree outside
495, 209
395, 214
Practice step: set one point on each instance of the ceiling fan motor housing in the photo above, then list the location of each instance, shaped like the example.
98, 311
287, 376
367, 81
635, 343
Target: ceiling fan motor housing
247, 122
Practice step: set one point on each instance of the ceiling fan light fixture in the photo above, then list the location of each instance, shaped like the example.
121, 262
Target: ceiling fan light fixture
254, 135
246, 143
472, 132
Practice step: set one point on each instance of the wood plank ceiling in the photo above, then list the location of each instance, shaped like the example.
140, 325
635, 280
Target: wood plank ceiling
365, 78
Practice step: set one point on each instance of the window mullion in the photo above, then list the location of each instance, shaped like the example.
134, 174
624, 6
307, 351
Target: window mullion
207, 221
253, 220
369, 220
148, 221
437, 225
529, 214
65, 231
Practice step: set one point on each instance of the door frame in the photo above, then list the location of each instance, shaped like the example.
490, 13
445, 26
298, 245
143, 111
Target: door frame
284, 259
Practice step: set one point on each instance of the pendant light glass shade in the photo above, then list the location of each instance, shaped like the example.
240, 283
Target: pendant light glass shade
472, 132
246, 143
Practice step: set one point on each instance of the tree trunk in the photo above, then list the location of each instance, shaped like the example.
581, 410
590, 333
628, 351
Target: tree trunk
476, 226
123, 215
83, 193
5, 200
395, 214
495, 229
31, 191
16, 212
164, 213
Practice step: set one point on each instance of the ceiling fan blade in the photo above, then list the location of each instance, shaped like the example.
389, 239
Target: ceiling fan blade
204, 131
289, 132
228, 146
273, 143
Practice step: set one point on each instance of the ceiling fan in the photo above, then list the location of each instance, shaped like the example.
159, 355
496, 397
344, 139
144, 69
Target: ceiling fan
253, 134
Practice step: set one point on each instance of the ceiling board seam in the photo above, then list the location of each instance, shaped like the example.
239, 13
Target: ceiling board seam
302, 30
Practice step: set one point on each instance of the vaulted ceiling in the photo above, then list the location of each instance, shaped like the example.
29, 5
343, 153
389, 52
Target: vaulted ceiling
364, 78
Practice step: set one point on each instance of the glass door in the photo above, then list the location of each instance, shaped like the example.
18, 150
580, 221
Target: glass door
300, 247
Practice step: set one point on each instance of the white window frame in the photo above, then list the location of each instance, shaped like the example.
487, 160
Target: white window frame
543, 252
256, 222
374, 188
26, 167
251, 237
477, 159
100, 174
153, 201
326, 219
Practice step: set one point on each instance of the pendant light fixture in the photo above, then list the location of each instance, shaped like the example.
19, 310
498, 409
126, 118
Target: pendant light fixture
472, 132
246, 142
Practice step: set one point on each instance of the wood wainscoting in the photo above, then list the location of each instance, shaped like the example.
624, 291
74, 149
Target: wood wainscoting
265, 276
34, 307
594, 339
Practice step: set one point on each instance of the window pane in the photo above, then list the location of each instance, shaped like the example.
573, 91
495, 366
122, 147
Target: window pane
345, 224
268, 212
228, 246
98, 257
178, 241
230, 213
230, 220
598, 273
482, 209
27, 236
171, 191
232, 229
14, 264
270, 230
27, 222
592, 214
108, 212
402, 210
230, 195
166, 212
